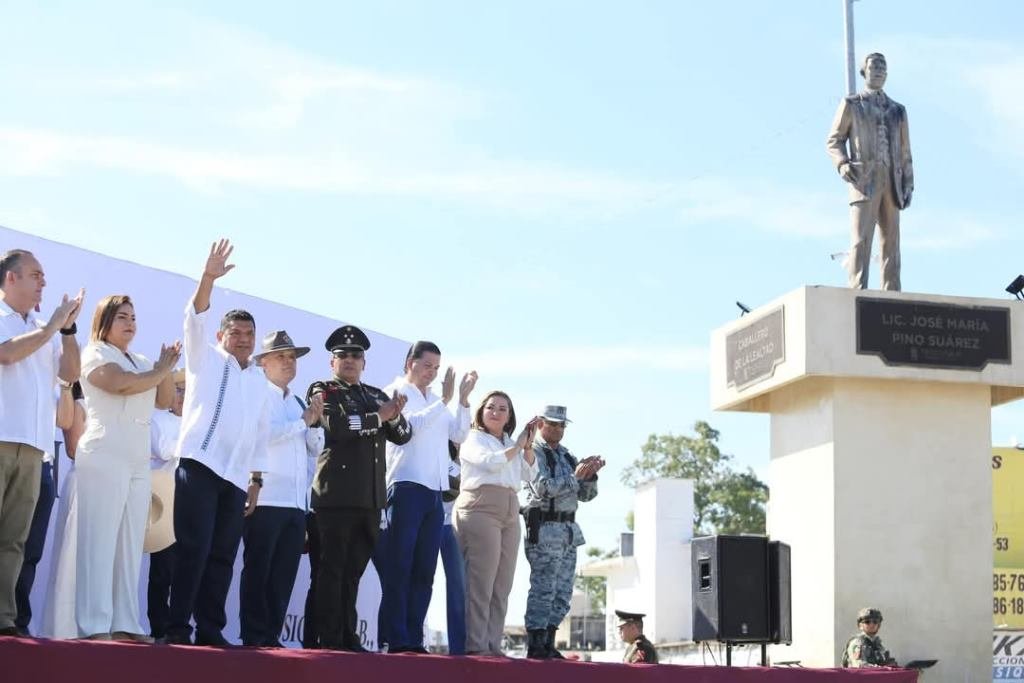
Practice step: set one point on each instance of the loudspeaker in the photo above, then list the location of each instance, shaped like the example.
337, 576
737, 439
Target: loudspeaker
779, 593
730, 589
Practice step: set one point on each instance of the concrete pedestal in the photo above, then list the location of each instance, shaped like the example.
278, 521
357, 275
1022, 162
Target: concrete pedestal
881, 472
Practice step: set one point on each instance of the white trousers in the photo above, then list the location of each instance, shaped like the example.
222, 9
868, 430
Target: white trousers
114, 491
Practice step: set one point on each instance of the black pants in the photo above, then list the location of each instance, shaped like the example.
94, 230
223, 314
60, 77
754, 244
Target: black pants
208, 527
158, 593
273, 540
310, 632
347, 539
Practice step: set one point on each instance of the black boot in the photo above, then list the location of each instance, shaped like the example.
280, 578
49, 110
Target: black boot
549, 643
536, 645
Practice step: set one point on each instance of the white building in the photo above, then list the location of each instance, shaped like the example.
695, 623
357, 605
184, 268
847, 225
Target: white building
652, 574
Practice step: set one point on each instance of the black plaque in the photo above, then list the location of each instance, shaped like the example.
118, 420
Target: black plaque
753, 351
933, 335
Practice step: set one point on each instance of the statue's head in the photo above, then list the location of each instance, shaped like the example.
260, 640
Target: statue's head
874, 70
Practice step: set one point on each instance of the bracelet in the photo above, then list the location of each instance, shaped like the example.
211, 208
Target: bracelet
64, 384
68, 331
256, 480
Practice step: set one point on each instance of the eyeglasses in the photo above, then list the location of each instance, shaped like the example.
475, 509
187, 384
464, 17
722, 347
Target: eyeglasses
347, 354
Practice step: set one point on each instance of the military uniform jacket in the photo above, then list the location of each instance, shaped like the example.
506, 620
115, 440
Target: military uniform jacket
350, 469
556, 488
866, 651
641, 651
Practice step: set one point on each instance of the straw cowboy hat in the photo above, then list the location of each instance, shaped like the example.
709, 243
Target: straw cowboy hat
160, 526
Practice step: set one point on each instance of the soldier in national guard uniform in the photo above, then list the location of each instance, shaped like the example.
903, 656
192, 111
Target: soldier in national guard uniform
348, 488
552, 534
631, 630
865, 650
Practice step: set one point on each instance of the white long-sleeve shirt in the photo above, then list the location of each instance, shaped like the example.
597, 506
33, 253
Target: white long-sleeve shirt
290, 449
484, 462
164, 430
424, 459
226, 414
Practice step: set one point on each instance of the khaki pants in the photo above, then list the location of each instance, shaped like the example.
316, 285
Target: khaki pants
881, 209
20, 469
486, 521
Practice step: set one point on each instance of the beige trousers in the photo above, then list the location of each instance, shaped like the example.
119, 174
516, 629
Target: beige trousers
20, 469
879, 209
486, 522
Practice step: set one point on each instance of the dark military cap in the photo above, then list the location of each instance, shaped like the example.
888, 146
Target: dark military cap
347, 338
626, 617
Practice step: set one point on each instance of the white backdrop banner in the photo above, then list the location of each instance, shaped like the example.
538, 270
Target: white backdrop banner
160, 298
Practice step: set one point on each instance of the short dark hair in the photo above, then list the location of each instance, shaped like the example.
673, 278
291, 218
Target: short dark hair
9, 262
874, 55
417, 350
236, 315
478, 416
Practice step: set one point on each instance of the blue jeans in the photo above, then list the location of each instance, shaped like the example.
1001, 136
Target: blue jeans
455, 589
413, 541
208, 527
274, 537
34, 545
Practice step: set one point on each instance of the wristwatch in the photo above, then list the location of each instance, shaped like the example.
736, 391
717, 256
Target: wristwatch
68, 331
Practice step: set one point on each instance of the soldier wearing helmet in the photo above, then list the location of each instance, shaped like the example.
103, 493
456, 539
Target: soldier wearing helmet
865, 650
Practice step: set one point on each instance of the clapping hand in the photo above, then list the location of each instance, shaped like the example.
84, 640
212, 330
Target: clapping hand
448, 385
390, 410
526, 436
315, 410
217, 262
466, 386
64, 316
169, 355
589, 467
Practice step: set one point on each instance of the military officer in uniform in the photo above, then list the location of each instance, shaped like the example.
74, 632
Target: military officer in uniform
631, 630
348, 488
552, 534
865, 650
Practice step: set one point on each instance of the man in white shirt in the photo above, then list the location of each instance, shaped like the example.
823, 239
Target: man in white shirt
163, 441
276, 532
417, 475
223, 440
32, 362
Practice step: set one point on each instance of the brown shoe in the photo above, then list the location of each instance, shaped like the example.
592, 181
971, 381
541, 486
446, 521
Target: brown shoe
125, 636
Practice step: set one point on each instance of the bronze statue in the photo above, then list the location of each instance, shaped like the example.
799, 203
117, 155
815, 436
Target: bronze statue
870, 146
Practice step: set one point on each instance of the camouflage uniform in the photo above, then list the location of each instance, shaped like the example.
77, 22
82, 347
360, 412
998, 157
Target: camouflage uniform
641, 651
554, 496
864, 651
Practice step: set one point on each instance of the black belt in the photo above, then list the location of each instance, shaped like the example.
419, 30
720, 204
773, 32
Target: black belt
558, 516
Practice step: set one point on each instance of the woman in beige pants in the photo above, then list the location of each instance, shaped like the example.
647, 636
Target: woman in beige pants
486, 518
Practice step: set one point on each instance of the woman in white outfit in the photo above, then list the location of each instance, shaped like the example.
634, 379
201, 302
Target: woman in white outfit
486, 517
112, 464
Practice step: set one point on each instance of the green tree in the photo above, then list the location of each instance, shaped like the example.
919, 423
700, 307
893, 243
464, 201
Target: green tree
596, 586
725, 501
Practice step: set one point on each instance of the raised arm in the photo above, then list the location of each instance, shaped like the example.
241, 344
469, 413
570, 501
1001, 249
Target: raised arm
216, 267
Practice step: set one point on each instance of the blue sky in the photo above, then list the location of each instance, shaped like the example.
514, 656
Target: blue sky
566, 196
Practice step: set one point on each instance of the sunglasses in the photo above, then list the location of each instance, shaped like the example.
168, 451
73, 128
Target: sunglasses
348, 354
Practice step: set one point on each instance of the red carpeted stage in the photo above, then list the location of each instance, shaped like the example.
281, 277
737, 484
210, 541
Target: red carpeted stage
44, 661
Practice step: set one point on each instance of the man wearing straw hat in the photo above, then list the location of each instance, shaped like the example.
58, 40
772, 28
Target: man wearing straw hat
276, 532
159, 542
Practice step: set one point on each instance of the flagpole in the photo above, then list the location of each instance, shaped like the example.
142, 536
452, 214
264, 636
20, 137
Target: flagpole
851, 82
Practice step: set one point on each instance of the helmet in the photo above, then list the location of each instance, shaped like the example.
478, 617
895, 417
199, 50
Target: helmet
869, 613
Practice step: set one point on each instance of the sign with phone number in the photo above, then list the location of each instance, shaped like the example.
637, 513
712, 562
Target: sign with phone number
1008, 598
